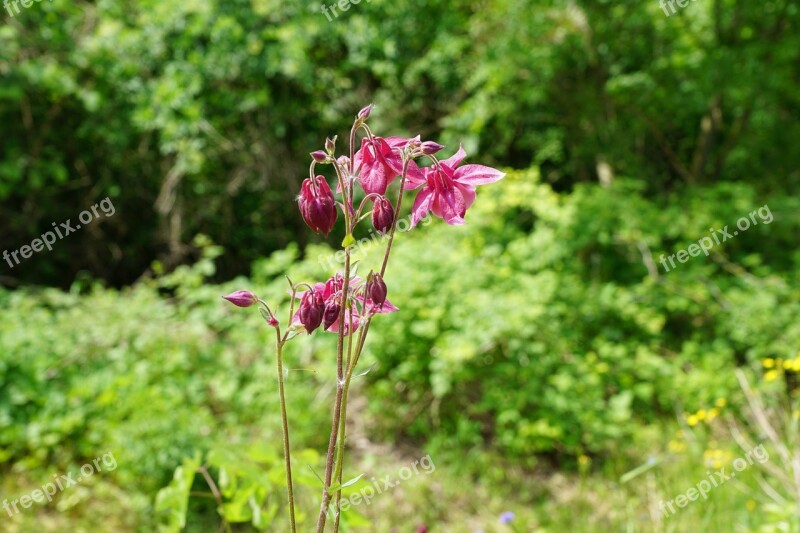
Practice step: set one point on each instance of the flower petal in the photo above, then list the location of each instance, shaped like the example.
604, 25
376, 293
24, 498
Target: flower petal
422, 205
456, 159
478, 175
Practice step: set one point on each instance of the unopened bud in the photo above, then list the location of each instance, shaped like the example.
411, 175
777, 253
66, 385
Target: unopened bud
382, 215
376, 290
331, 314
364, 113
430, 147
319, 156
317, 205
311, 309
242, 298
330, 145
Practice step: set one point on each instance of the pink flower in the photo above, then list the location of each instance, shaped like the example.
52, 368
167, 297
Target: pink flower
330, 293
317, 205
379, 163
449, 190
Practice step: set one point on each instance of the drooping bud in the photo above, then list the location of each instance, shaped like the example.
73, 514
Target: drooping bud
242, 298
382, 215
317, 205
430, 147
376, 290
364, 113
311, 309
319, 156
331, 313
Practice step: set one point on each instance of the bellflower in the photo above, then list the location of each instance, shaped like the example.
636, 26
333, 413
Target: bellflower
449, 189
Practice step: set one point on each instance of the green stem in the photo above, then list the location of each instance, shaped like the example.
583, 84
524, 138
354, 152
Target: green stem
337, 408
287, 454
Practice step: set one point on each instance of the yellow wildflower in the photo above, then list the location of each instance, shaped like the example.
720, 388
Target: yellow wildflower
769, 362
772, 375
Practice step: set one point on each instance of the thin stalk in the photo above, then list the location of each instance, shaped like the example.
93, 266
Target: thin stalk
287, 454
396, 216
337, 408
343, 429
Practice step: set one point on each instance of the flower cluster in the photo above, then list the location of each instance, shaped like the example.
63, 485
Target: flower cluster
447, 189
321, 304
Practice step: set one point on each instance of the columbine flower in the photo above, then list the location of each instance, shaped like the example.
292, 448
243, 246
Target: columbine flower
379, 162
330, 294
449, 190
506, 517
382, 215
242, 298
317, 205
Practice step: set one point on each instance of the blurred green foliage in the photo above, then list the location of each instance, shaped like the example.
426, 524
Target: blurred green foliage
536, 330
197, 116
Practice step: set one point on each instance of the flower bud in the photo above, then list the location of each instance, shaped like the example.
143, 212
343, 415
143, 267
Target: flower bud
376, 290
319, 156
382, 215
364, 113
242, 298
330, 145
311, 309
430, 147
331, 313
317, 205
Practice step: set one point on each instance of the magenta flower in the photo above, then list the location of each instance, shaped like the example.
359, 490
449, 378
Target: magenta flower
330, 293
449, 190
317, 205
379, 163
242, 298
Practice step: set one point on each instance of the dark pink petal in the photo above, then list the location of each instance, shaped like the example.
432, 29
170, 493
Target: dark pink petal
422, 205
477, 175
456, 159
450, 206
468, 193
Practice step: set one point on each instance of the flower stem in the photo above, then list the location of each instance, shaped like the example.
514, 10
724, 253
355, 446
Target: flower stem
287, 454
396, 216
337, 408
